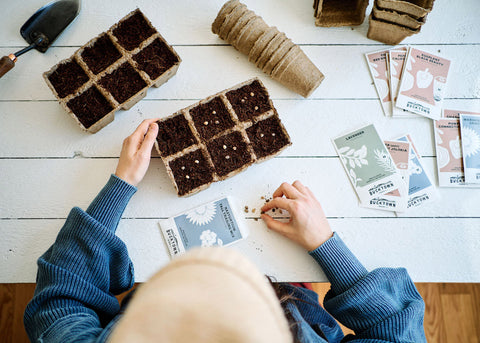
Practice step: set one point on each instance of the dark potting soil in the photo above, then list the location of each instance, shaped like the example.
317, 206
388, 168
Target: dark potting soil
267, 137
155, 59
174, 135
249, 101
101, 54
190, 171
229, 152
67, 78
90, 106
133, 31
123, 82
211, 118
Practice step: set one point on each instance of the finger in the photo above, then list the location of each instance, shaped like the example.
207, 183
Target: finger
275, 225
301, 188
142, 129
288, 190
282, 203
149, 139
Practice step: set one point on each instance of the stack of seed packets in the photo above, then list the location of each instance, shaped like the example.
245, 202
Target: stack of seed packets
386, 175
409, 81
457, 139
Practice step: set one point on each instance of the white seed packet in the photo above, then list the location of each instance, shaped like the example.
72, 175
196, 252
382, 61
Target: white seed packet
449, 152
423, 83
378, 66
470, 133
212, 224
396, 62
370, 167
456, 113
421, 189
400, 152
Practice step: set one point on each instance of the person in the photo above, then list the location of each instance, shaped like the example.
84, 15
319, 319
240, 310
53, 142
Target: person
212, 294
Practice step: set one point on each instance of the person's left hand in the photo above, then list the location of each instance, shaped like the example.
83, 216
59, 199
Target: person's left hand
136, 152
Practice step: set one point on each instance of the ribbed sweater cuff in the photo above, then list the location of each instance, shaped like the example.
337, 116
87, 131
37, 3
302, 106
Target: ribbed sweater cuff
341, 267
109, 204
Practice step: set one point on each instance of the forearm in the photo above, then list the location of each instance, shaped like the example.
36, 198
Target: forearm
85, 267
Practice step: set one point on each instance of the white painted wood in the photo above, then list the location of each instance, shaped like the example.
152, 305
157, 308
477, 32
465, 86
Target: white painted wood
345, 69
449, 22
47, 165
429, 248
60, 136
49, 188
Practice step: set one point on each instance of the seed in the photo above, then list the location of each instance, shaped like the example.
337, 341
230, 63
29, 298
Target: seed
261, 135
217, 122
256, 108
224, 146
183, 167
227, 157
187, 177
252, 94
234, 148
273, 134
205, 123
197, 161
243, 100
214, 112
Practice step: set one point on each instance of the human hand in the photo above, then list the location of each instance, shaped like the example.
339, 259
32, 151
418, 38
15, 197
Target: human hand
136, 152
308, 225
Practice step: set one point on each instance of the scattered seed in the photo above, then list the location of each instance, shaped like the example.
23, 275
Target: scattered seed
205, 123
217, 122
197, 161
187, 177
234, 148
252, 94
262, 197
261, 135
256, 108
253, 210
227, 157
243, 100
224, 146
246, 209
183, 167
273, 134
214, 112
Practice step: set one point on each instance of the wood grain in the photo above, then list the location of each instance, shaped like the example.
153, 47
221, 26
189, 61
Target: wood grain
451, 314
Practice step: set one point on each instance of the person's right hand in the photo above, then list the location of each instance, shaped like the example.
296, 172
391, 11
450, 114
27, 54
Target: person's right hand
308, 225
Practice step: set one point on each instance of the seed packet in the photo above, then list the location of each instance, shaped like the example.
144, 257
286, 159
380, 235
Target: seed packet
423, 83
470, 133
368, 164
377, 64
396, 61
400, 152
420, 187
213, 224
456, 113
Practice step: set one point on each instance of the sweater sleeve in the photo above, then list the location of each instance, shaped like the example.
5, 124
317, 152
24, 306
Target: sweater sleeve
383, 305
80, 274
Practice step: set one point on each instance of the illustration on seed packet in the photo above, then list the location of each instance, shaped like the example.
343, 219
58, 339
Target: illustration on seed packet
420, 188
470, 132
367, 163
400, 152
211, 224
423, 83
377, 64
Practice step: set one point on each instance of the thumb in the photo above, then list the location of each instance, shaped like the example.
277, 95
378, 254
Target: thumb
150, 137
275, 225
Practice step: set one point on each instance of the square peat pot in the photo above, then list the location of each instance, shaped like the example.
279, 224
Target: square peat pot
211, 118
174, 135
249, 101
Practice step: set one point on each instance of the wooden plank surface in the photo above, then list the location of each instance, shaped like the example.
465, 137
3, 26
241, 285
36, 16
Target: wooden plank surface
47, 165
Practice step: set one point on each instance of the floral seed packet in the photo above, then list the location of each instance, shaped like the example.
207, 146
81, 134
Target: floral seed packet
377, 64
396, 61
367, 163
423, 83
470, 133
456, 113
449, 153
420, 187
400, 152
212, 224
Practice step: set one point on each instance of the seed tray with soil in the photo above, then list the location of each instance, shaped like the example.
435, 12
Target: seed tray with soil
222, 135
119, 64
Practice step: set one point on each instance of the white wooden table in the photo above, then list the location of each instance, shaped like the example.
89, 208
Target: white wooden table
48, 165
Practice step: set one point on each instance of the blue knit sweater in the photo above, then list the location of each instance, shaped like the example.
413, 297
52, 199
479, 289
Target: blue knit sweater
80, 274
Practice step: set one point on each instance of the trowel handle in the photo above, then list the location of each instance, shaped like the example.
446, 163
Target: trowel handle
7, 63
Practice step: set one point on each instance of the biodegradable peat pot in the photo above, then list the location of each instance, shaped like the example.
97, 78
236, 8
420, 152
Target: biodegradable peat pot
112, 71
220, 136
398, 18
388, 33
332, 13
414, 8
265, 46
